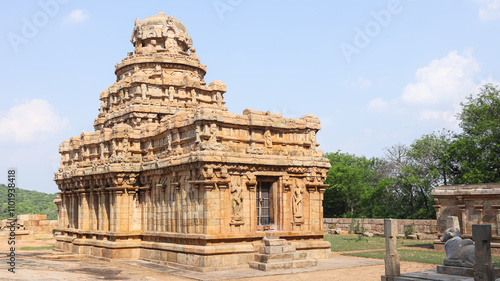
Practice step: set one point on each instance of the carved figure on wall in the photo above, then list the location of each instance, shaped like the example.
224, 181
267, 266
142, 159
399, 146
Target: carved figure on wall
213, 133
144, 90
297, 199
193, 96
171, 45
459, 252
171, 91
152, 32
197, 133
102, 150
125, 144
237, 199
170, 20
218, 97
312, 138
268, 141
169, 142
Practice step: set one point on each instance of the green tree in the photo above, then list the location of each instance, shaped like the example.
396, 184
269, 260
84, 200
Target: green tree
28, 202
410, 175
477, 149
352, 180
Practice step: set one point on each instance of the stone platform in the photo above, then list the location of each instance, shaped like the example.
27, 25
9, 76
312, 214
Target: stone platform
432, 275
325, 264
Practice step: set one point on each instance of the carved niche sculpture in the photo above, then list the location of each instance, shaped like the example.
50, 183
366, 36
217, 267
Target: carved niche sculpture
459, 252
298, 198
268, 139
237, 200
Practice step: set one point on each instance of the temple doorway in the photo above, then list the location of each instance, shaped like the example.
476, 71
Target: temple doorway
265, 204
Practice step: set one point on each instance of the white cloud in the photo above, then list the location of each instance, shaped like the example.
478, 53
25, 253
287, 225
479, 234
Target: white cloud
76, 16
26, 122
437, 91
444, 81
440, 87
489, 10
363, 83
378, 105
448, 118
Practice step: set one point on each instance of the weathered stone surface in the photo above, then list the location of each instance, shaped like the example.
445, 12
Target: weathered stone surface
455, 270
452, 222
459, 252
471, 204
170, 175
483, 268
430, 275
391, 259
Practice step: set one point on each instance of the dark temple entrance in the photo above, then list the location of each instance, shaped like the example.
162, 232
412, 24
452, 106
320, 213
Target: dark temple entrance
263, 203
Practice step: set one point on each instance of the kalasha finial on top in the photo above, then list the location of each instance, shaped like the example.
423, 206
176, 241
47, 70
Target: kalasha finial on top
161, 33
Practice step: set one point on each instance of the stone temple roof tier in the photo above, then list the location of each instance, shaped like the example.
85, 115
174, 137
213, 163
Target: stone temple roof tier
161, 77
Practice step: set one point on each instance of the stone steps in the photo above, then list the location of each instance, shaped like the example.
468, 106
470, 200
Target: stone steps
282, 264
279, 254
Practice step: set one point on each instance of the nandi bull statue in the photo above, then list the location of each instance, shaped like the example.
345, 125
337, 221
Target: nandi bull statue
459, 252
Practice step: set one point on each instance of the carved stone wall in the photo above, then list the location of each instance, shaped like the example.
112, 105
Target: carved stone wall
472, 204
170, 175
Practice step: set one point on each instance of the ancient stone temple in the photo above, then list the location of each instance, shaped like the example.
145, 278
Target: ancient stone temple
470, 204
169, 175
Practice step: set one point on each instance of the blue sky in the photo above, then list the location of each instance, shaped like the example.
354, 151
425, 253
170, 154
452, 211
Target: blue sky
376, 73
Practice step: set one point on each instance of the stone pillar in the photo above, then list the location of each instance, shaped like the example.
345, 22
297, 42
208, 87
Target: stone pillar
58, 203
135, 223
322, 190
483, 268
112, 210
452, 222
82, 211
73, 216
497, 218
101, 211
392, 268
154, 198
64, 211
106, 205
464, 219
119, 210
94, 208
162, 208
73, 208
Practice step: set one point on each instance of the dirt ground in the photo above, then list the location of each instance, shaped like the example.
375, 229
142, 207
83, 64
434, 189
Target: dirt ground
34, 265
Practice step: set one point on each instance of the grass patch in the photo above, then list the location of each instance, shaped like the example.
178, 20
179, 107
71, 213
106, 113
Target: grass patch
353, 242
37, 248
413, 255
406, 255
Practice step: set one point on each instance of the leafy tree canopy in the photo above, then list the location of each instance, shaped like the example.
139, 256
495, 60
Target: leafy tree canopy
28, 202
476, 151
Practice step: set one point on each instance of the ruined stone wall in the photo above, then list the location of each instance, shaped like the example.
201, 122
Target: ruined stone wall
472, 204
427, 228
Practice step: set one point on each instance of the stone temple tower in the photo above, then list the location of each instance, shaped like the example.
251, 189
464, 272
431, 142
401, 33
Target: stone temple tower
169, 175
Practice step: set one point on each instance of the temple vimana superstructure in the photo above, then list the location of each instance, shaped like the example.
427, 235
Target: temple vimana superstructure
170, 175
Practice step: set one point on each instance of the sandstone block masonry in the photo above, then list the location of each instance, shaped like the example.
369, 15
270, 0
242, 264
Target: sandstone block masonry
170, 175
29, 227
471, 204
425, 229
